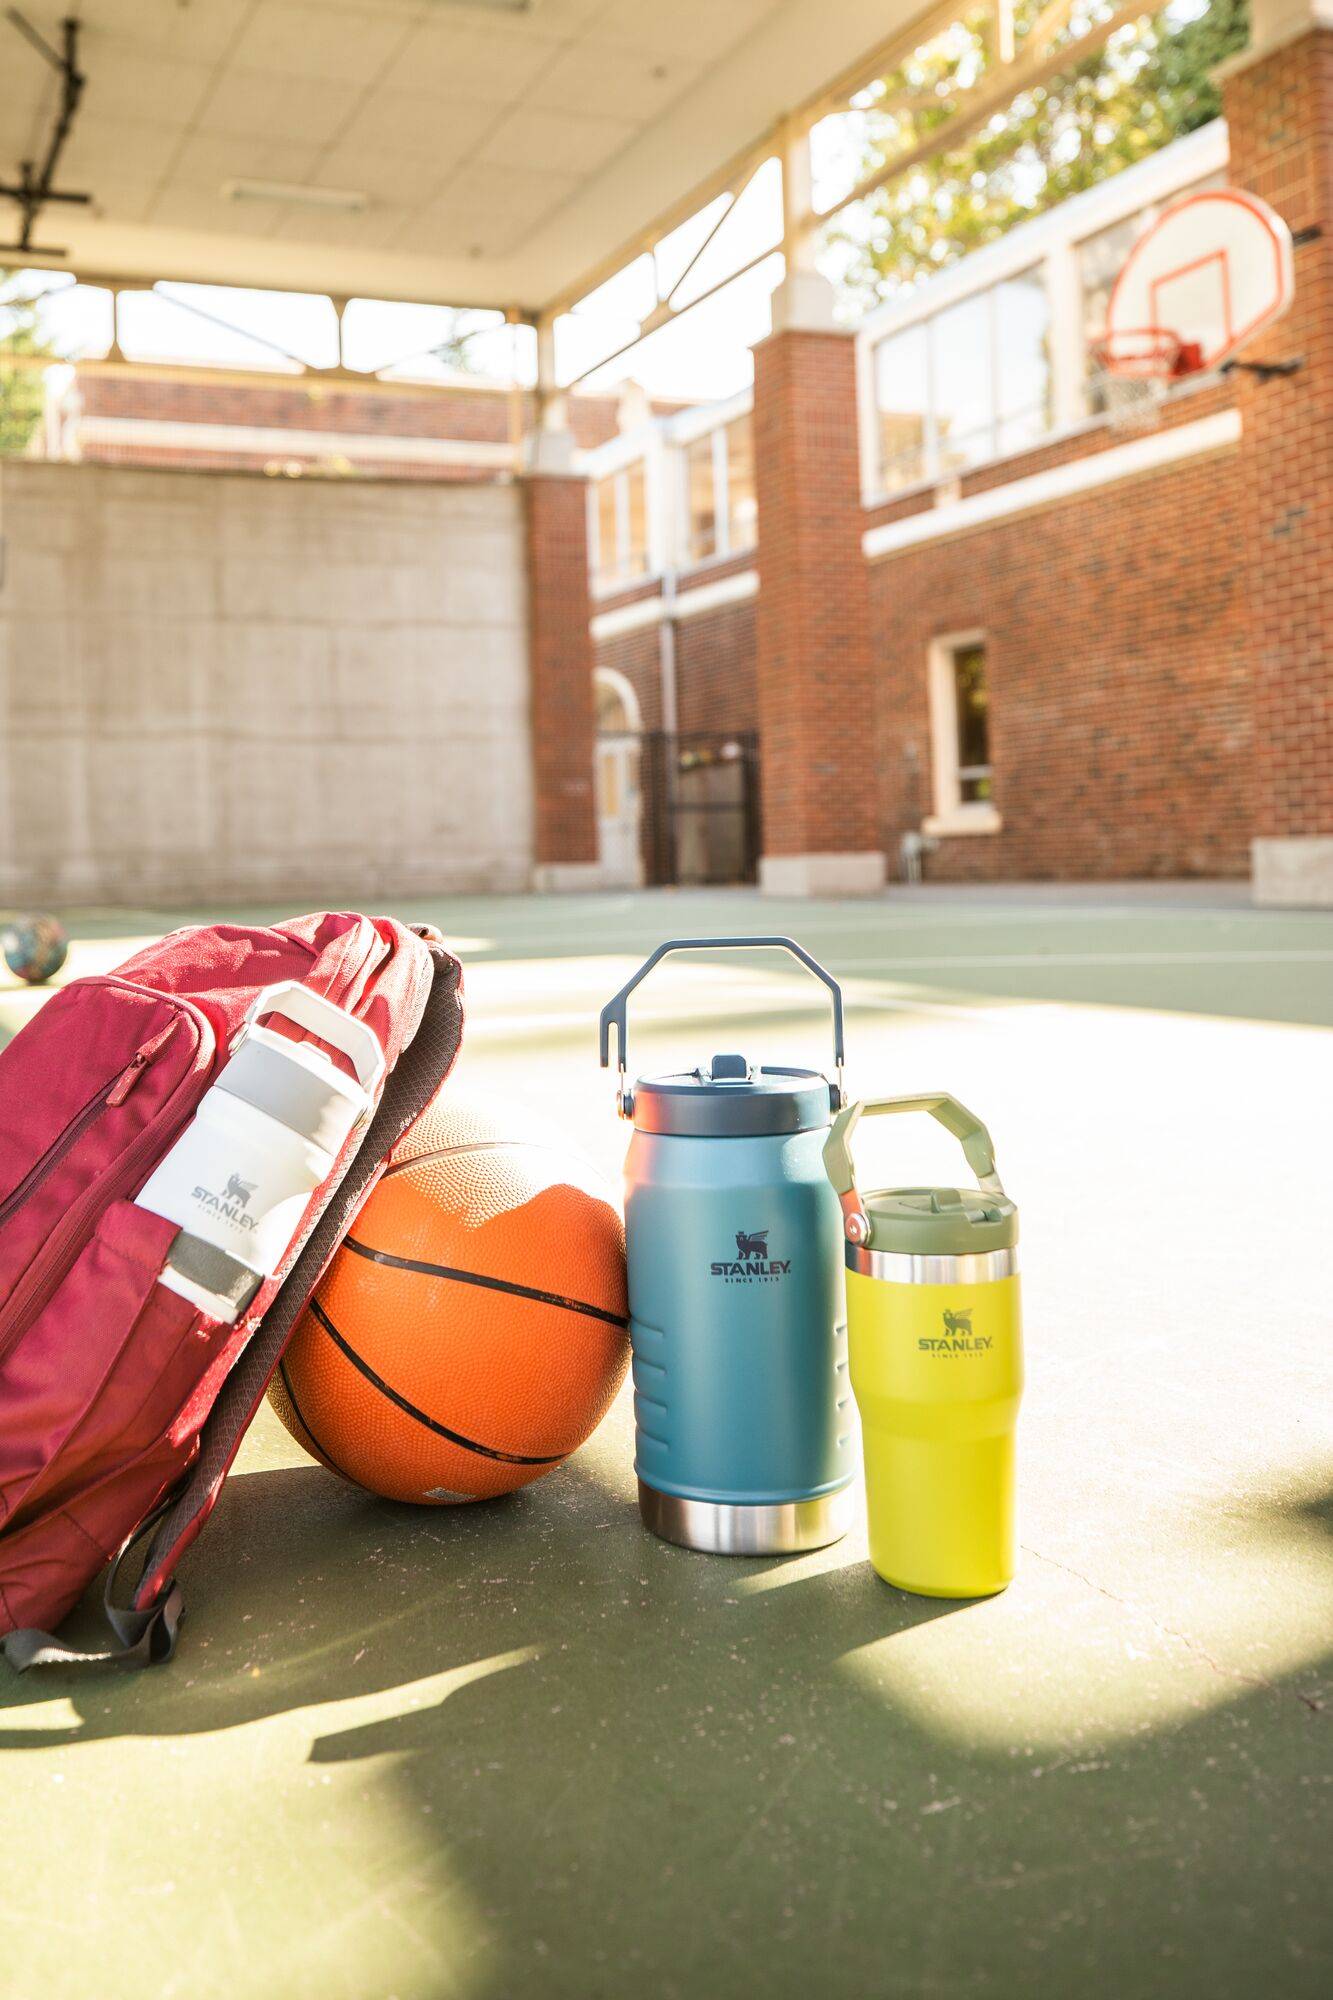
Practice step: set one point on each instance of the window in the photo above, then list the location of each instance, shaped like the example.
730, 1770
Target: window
969, 699
720, 511
1099, 260
902, 396
962, 389
618, 527
701, 535
970, 383
1022, 361
742, 508
960, 737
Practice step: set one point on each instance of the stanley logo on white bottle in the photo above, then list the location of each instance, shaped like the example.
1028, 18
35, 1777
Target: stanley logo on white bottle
231, 1203
752, 1263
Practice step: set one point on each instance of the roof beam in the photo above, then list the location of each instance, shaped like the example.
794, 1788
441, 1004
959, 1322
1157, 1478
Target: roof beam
983, 102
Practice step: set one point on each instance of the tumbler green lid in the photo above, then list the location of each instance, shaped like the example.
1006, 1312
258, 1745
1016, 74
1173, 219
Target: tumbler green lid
939, 1221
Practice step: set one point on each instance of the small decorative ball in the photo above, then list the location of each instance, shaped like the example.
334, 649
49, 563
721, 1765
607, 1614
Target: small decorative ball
34, 948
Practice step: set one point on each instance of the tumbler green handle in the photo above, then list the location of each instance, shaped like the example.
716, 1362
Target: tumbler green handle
955, 1118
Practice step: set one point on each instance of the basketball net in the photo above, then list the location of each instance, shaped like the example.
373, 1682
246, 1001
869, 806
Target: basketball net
1134, 369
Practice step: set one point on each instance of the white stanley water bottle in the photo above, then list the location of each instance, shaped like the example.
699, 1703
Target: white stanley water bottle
264, 1137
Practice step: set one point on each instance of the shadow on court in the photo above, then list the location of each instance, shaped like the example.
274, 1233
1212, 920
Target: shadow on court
642, 1771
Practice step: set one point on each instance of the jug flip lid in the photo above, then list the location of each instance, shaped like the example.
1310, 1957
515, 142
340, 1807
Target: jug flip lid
732, 1100
939, 1221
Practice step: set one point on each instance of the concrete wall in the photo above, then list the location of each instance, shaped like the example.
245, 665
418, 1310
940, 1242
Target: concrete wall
220, 685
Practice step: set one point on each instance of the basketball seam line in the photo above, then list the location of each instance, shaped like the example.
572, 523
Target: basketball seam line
410, 1409
473, 1146
286, 1381
490, 1284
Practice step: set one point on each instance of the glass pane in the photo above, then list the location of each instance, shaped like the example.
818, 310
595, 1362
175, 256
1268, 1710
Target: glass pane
902, 397
608, 556
961, 376
609, 761
638, 519
742, 512
225, 324
700, 498
1022, 360
970, 705
1099, 260
611, 717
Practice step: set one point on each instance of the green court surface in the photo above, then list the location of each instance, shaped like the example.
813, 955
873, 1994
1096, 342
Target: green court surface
526, 1750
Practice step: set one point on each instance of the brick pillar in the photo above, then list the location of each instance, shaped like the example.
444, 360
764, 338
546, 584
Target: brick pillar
1279, 108
560, 666
817, 685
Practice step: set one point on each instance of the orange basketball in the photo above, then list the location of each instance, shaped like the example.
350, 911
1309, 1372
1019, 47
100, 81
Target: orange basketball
471, 1332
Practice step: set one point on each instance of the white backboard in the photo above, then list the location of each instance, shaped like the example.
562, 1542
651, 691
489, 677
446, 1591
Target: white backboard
1213, 270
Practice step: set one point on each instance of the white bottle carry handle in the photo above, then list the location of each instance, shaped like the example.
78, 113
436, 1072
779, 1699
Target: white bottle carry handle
333, 1024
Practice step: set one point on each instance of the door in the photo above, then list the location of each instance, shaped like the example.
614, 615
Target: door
619, 790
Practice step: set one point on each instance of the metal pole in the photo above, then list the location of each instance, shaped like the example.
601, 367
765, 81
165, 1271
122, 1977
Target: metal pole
666, 654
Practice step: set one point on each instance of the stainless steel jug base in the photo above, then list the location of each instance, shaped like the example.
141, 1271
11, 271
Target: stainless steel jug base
719, 1530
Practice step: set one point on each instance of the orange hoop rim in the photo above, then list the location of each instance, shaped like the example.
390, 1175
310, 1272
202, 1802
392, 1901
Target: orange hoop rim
1145, 354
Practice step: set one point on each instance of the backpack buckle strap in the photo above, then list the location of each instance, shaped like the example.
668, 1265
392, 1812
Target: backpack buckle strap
143, 1637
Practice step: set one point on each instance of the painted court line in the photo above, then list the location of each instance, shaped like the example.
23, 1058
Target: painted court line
893, 963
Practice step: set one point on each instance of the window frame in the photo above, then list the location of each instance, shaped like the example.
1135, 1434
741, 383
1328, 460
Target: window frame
934, 440
952, 813
1050, 243
724, 548
605, 580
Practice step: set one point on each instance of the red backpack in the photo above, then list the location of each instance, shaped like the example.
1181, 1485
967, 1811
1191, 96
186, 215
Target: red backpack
122, 1404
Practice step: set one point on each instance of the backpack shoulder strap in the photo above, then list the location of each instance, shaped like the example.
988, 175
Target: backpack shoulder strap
413, 1082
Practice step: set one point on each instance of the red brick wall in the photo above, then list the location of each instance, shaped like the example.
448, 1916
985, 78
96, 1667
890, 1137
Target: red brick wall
814, 677
1280, 117
715, 669
716, 686
469, 415
560, 665
636, 656
1117, 657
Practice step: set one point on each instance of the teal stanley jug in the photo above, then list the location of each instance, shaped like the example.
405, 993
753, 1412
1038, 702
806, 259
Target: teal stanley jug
742, 1402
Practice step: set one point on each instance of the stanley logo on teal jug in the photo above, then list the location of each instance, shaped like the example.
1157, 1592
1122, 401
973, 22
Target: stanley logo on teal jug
752, 1263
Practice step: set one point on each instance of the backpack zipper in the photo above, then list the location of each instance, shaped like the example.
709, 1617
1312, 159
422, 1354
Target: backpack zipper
31, 1292
54, 1154
113, 1093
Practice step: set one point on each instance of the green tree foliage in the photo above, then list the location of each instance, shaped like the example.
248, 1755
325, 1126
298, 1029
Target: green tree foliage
1147, 86
20, 386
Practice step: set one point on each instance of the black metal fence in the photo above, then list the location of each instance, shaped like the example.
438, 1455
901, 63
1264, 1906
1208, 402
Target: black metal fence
700, 824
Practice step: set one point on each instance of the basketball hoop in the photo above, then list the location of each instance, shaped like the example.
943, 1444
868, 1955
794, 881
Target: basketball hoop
1198, 285
1133, 367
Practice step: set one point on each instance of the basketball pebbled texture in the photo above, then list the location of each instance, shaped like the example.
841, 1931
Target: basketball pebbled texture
471, 1332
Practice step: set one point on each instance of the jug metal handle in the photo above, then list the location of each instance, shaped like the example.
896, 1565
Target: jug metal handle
615, 1011
954, 1117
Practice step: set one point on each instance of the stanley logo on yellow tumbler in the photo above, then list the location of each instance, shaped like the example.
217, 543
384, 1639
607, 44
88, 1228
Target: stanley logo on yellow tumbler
935, 1350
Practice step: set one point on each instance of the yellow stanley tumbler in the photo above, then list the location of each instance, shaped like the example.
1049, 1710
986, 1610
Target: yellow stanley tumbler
935, 1350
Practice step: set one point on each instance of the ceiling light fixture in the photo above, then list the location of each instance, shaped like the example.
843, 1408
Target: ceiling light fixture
494, 6
350, 201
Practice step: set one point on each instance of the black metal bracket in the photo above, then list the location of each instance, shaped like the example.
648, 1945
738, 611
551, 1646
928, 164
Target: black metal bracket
33, 189
1265, 371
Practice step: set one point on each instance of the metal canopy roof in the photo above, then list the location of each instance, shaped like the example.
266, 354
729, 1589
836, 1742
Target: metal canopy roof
466, 152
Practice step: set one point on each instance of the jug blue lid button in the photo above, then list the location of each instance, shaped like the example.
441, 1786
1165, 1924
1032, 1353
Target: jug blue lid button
729, 1068
731, 1098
